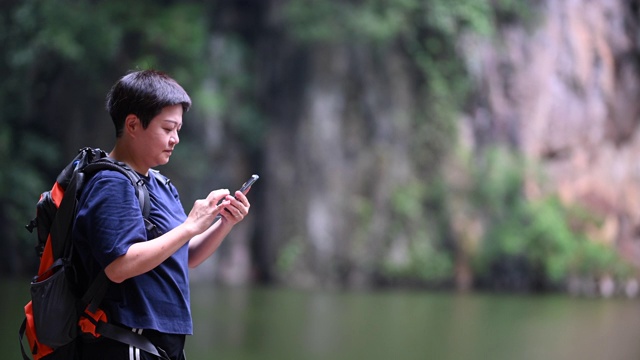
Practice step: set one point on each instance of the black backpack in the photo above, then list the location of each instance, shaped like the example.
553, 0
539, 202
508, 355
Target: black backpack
63, 307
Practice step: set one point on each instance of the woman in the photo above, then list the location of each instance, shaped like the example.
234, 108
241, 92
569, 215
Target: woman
149, 293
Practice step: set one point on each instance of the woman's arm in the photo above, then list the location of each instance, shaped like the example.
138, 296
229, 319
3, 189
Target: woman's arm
144, 256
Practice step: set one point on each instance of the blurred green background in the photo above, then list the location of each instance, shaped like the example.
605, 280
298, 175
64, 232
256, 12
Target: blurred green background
418, 160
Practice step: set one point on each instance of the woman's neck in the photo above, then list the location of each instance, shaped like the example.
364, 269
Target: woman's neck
124, 154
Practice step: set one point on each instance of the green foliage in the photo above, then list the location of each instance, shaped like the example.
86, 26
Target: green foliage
538, 232
594, 259
425, 263
498, 175
514, 11
376, 21
381, 21
78, 31
407, 202
236, 105
90, 37
48, 45
316, 20
71, 30
452, 16
417, 230
289, 256
20, 186
551, 244
426, 30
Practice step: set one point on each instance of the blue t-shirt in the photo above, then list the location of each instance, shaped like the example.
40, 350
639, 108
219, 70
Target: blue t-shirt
109, 220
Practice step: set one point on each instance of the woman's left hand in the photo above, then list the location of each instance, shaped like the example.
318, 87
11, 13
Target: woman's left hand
235, 208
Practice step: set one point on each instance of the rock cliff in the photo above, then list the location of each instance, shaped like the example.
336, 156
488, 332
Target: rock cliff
566, 92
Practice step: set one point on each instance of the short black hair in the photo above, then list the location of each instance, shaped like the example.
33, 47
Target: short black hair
144, 93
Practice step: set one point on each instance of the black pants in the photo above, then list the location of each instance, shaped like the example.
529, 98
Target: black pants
107, 349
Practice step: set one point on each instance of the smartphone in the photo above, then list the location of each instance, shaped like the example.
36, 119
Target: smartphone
248, 183
243, 189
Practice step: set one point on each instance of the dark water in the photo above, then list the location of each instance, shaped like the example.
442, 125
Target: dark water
271, 323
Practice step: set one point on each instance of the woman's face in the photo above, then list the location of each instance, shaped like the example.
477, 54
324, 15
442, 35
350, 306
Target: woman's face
157, 141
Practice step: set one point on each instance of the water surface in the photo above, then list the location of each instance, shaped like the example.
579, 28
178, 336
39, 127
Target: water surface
275, 323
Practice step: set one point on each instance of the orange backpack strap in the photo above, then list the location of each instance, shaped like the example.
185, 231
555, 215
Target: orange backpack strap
96, 324
94, 321
89, 303
88, 322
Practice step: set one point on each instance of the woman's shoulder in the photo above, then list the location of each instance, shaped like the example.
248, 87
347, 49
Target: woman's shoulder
155, 174
109, 175
108, 191
109, 181
157, 182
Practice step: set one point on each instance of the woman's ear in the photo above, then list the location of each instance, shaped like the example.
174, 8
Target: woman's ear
131, 123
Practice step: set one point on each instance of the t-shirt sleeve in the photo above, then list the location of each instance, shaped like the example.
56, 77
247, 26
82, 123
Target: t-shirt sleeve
110, 217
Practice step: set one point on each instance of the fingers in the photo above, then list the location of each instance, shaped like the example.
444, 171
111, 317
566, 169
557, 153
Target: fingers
218, 202
215, 196
211, 205
232, 209
242, 198
235, 209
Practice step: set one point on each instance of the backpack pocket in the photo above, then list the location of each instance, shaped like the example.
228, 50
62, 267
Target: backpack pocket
55, 313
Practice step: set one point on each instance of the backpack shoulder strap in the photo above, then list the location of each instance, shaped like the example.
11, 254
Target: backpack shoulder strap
161, 178
141, 191
60, 227
70, 180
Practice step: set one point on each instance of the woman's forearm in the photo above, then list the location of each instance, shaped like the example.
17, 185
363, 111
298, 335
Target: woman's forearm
204, 245
145, 256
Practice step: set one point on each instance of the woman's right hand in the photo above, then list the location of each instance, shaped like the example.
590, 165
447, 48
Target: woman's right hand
204, 211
